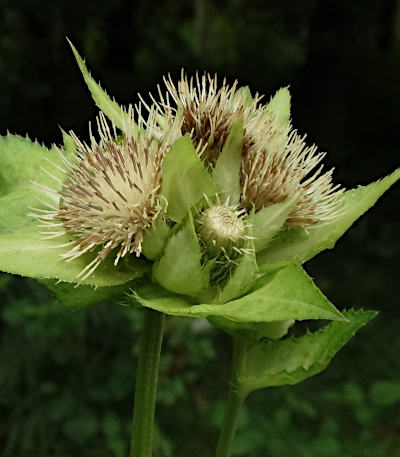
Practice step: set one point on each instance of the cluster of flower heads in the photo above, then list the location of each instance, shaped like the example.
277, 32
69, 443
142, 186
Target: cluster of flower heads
276, 164
111, 194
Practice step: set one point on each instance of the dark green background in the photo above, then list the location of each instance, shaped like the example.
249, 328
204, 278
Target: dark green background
66, 377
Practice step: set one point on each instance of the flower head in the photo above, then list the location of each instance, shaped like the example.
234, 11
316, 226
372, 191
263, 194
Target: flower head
110, 194
276, 170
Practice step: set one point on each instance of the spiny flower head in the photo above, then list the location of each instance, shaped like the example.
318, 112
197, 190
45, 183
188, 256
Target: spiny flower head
276, 162
208, 111
110, 194
274, 171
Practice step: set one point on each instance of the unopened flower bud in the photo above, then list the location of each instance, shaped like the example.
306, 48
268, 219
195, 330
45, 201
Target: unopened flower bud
221, 228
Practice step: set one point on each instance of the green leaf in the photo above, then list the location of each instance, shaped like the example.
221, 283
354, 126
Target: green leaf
185, 180
23, 161
284, 293
24, 252
226, 172
244, 275
290, 361
301, 245
68, 294
116, 113
155, 239
279, 105
179, 268
22, 248
269, 220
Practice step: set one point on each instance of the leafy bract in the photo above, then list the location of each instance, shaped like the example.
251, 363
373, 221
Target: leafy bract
116, 113
269, 220
290, 361
179, 268
300, 245
23, 250
70, 149
155, 238
226, 172
68, 294
244, 93
284, 293
279, 105
185, 180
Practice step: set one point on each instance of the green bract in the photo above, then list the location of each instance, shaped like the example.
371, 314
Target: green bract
226, 172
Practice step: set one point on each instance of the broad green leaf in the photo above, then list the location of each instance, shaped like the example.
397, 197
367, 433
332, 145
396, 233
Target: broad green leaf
68, 294
226, 173
301, 245
185, 180
116, 113
244, 275
269, 220
179, 268
155, 238
279, 105
23, 250
286, 293
290, 361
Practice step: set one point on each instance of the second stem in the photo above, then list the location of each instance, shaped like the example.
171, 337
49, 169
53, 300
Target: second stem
234, 403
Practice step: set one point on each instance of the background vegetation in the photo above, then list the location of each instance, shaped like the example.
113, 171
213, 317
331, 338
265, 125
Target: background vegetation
66, 376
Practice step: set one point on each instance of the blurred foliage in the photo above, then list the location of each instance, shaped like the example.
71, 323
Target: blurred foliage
66, 377
66, 385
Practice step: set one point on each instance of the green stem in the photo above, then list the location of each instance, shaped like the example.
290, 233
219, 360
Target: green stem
234, 402
146, 384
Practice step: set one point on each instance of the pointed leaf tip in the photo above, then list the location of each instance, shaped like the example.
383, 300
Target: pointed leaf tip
300, 245
226, 172
279, 105
116, 113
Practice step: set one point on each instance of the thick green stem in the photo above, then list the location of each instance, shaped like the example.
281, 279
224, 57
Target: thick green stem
234, 402
146, 384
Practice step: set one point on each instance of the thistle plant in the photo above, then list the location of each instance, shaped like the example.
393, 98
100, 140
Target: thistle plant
203, 202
